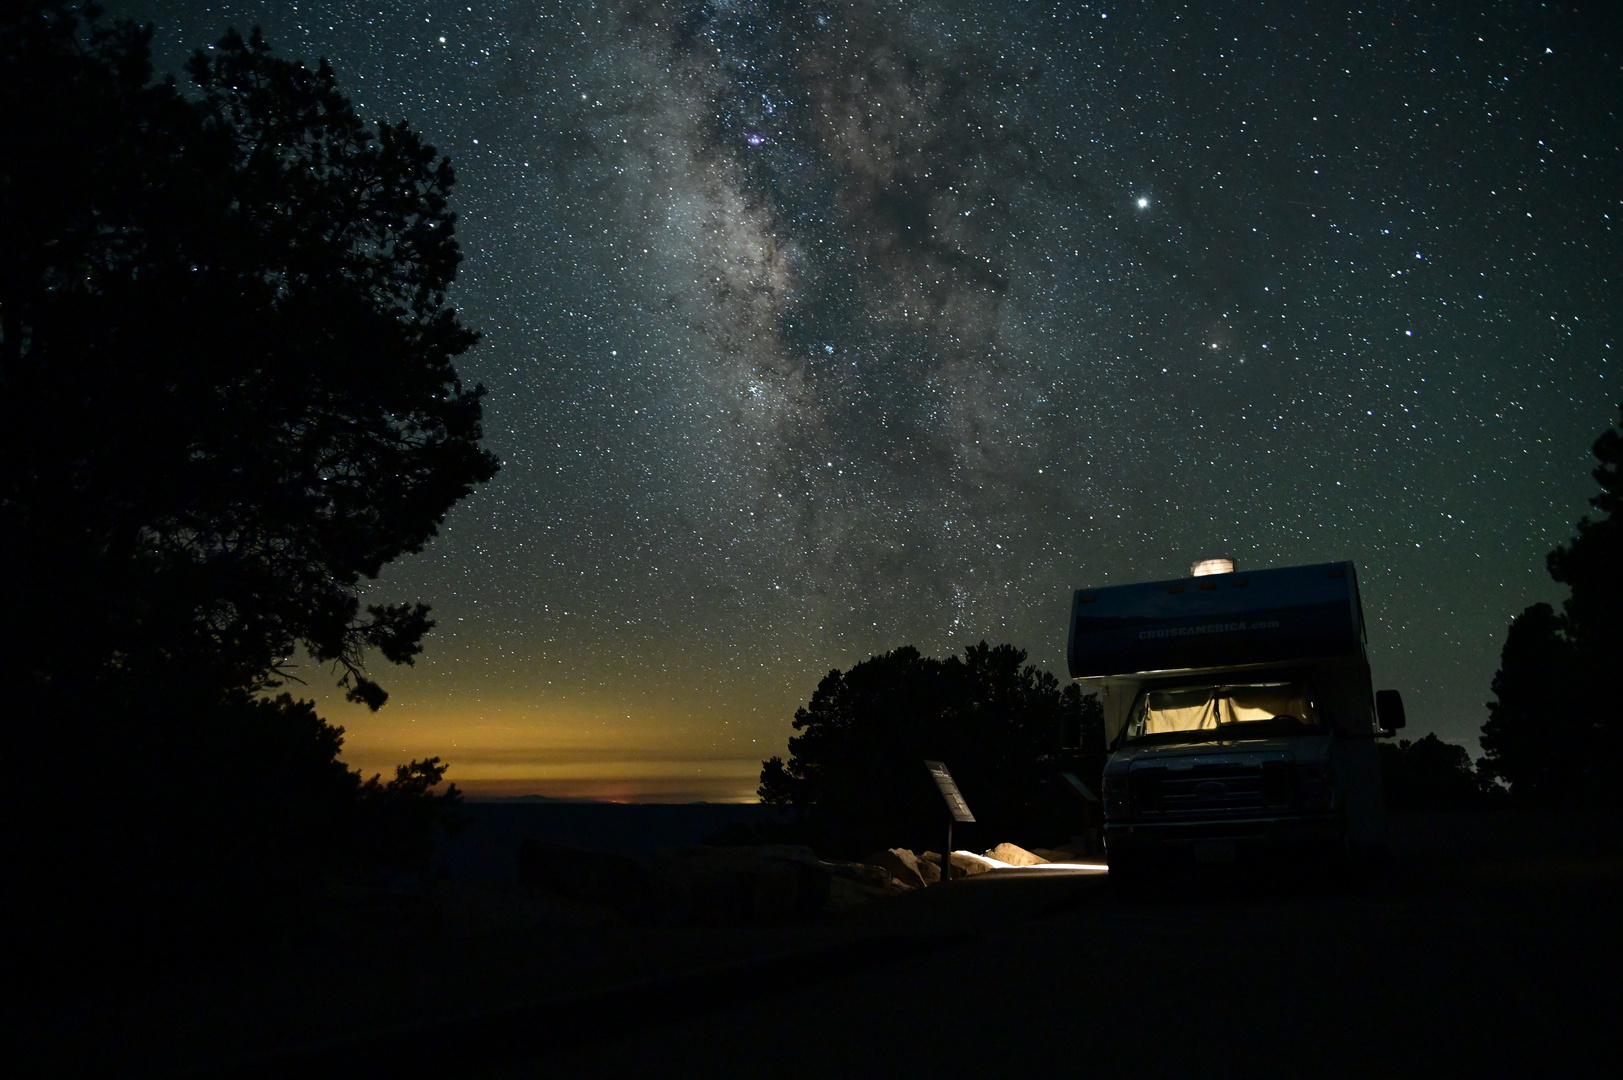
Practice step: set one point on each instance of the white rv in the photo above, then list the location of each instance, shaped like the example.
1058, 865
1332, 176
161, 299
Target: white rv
1238, 714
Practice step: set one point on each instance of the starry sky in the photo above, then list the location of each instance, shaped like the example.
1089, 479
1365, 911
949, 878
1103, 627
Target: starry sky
815, 329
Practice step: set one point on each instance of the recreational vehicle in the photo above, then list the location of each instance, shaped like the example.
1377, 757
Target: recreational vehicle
1239, 715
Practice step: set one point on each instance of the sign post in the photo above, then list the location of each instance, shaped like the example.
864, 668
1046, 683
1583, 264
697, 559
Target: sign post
957, 810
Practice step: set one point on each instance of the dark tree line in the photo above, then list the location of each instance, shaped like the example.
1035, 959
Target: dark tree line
857, 765
1554, 733
227, 399
1429, 774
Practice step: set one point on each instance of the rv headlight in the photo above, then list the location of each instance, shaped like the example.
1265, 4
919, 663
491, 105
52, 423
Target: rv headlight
1114, 793
1318, 787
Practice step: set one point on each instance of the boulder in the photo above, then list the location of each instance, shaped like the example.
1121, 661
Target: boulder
845, 894
794, 852
903, 866
1015, 855
715, 886
695, 884
592, 877
964, 865
862, 873
968, 864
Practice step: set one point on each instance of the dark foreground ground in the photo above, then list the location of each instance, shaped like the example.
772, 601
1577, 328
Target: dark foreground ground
1492, 946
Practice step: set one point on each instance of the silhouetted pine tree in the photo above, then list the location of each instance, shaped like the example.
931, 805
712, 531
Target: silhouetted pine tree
1555, 729
1429, 774
857, 764
1591, 563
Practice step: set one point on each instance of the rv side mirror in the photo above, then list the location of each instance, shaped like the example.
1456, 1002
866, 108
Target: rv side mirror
1389, 709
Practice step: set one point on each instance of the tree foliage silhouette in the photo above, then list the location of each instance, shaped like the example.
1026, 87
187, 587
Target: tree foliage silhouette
1429, 774
227, 399
1535, 739
1591, 563
857, 764
226, 392
1554, 732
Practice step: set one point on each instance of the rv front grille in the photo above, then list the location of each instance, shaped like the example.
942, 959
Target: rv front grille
1218, 788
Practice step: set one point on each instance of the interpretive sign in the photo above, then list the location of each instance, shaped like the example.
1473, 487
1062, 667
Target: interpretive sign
1079, 787
949, 791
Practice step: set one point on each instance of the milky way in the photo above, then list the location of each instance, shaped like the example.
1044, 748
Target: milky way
816, 329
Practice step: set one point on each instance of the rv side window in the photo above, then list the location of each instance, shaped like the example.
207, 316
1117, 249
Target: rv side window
1229, 711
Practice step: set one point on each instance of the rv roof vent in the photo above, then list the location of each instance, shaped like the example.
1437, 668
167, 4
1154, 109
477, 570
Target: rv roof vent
1212, 566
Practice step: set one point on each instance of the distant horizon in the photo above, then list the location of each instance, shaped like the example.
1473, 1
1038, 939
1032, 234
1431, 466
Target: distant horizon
548, 800
664, 791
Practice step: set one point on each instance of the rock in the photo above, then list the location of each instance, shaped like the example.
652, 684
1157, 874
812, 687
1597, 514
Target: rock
1015, 855
964, 865
713, 886
708, 886
845, 894
795, 852
903, 866
862, 873
968, 864
592, 877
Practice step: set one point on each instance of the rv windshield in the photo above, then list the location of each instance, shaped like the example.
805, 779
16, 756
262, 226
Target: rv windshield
1252, 710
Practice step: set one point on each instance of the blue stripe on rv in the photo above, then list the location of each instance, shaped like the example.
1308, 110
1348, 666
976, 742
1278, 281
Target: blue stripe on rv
1222, 620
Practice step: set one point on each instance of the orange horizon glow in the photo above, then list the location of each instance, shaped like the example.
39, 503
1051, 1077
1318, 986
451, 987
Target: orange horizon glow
514, 745
665, 789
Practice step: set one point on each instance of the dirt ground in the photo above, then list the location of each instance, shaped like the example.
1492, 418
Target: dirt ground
1490, 946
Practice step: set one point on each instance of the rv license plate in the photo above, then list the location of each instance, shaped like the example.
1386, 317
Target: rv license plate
1214, 851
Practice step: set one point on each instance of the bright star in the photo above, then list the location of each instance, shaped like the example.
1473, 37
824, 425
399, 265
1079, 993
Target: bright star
1142, 203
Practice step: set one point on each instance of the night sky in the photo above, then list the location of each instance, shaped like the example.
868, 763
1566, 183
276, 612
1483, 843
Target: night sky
812, 330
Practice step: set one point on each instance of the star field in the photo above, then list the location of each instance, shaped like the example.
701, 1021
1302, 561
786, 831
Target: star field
816, 329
